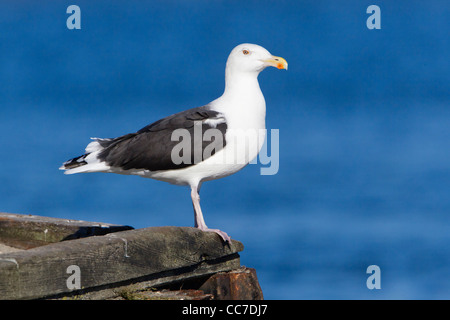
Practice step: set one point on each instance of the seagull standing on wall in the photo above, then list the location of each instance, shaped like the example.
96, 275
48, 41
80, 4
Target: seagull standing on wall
235, 116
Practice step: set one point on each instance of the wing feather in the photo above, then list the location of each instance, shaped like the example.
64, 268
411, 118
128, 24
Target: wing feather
151, 147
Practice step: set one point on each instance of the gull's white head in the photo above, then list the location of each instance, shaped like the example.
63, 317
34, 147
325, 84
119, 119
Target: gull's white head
251, 58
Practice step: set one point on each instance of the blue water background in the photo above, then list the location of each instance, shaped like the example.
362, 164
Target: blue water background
363, 117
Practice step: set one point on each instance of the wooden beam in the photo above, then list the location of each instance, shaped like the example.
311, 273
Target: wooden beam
239, 284
30, 231
156, 255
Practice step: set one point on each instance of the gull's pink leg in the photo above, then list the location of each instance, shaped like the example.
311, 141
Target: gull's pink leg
199, 221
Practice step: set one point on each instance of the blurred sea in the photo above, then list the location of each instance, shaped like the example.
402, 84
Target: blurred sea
364, 122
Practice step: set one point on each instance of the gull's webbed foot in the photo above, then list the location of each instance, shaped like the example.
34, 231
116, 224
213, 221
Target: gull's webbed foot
225, 237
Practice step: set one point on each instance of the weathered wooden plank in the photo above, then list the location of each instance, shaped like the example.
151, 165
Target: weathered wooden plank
189, 294
7, 249
154, 253
29, 231
177, 278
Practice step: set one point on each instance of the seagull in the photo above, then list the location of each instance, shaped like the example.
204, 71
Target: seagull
195, 145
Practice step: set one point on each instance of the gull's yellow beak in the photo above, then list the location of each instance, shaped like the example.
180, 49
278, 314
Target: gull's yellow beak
277, 62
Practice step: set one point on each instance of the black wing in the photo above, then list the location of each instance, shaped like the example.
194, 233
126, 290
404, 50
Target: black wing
151, 147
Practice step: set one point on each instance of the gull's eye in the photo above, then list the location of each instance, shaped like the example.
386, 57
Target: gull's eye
245, 52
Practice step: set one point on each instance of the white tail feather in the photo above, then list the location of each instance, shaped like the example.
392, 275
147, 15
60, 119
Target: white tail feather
93, 163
